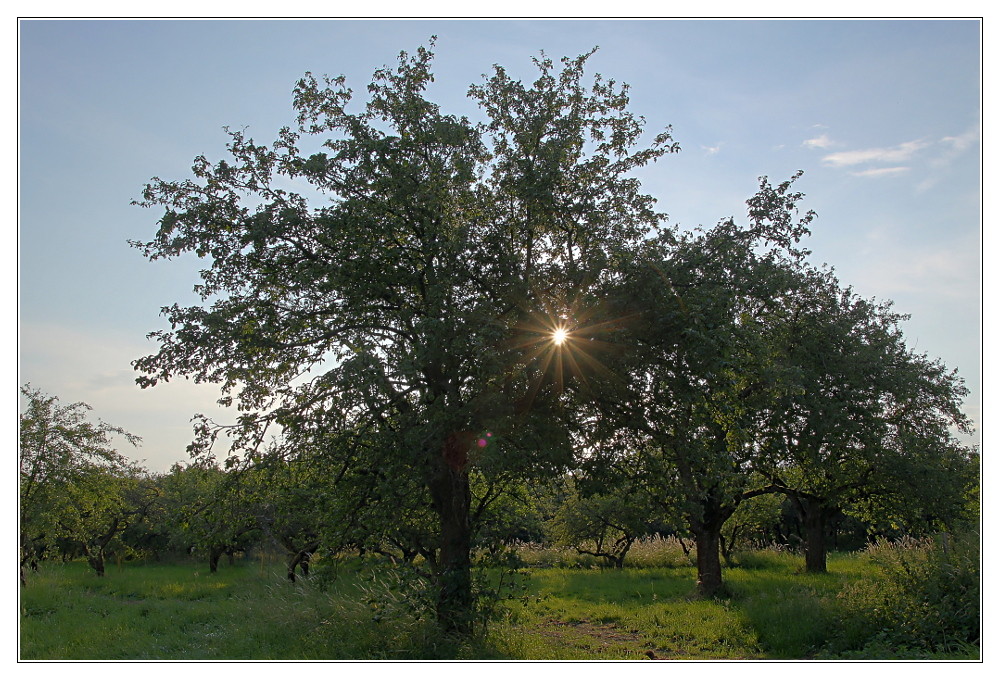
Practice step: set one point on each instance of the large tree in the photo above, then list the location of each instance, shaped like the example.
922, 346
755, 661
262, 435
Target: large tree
424, 291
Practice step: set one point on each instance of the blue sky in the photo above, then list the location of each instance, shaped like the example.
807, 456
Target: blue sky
883, 117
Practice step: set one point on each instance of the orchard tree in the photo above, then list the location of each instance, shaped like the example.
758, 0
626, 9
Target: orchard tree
869, 425
69, 466
96, 504
212, 512
605, 524
702, 367
290, 506
754, 518
425, 292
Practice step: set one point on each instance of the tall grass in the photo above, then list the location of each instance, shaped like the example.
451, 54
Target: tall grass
648, 552
921, 599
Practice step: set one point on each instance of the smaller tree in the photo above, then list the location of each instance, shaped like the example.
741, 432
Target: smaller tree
73, 482
755, 517
603, 524
870, 422
95, 505
289, 499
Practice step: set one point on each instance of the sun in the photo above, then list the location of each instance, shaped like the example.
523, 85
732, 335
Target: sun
559, 336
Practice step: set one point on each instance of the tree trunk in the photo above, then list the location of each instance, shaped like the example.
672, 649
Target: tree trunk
684, 546
814, 519
96, 560
300, 560
213, 559
449, 487
707, 530
709, 565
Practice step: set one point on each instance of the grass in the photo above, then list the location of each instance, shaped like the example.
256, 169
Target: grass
771, 610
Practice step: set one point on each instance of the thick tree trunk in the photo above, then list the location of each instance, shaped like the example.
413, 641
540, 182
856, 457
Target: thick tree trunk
709, 565
814, 518
707, 530
449, 487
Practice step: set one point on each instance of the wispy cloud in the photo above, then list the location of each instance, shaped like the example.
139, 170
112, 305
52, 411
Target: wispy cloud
821, 142
930, 158
895, 154
712, 150
962, 141
949, 149
879, 172
925, 270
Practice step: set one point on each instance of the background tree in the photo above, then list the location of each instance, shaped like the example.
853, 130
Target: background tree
65, 462
701, 365
206, 511
870, 419
604, 524
425, 291
753, 522
95, 504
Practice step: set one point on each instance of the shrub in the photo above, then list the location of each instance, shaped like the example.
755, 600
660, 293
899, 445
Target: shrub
922, 599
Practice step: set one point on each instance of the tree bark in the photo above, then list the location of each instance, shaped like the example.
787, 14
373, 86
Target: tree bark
709, 565
449, 488
814, 516
707, 530
300, 560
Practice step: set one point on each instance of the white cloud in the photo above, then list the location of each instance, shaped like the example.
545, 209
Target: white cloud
821, 142
890, 265
879, 172
896, 154
938, 283
964, 140
712, 150
949, 149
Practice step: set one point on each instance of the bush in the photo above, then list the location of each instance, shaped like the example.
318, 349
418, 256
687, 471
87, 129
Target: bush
923, 599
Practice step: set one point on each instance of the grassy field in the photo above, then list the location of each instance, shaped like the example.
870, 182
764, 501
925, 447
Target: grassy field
248, 611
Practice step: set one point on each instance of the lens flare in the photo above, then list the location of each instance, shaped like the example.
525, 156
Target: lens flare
559, 336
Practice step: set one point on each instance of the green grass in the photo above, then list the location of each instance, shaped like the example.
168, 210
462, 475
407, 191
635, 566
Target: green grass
771, 610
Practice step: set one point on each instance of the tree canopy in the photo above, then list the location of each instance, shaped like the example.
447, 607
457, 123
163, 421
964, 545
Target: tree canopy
424, 291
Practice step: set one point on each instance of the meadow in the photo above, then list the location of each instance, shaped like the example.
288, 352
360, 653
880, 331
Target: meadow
567, 608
